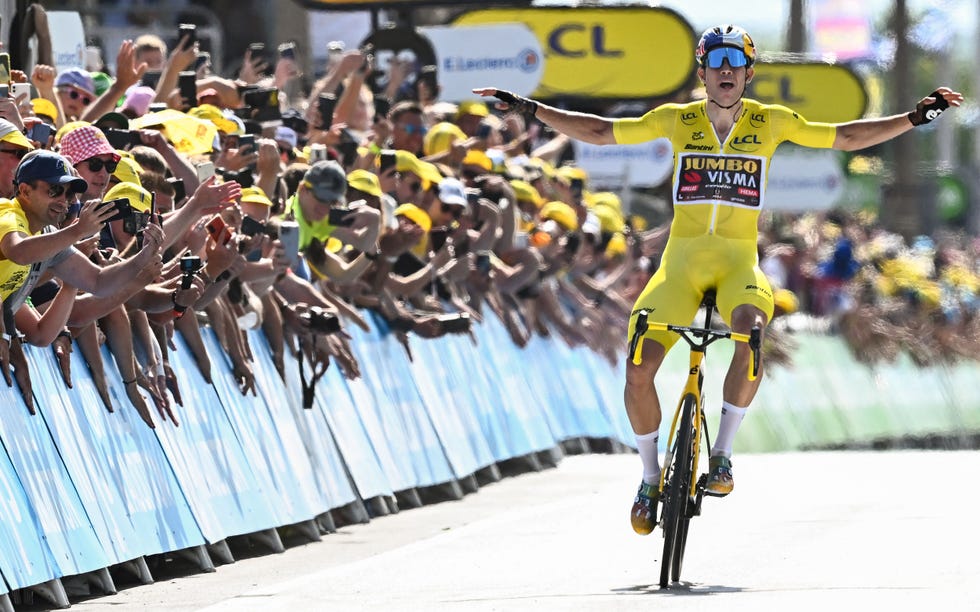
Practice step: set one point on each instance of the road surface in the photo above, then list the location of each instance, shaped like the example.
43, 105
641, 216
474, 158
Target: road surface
877, 531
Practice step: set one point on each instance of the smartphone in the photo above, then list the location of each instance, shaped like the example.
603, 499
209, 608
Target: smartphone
381, 107
252, 227
257, 53
150, 78
4, 90
20, 89
187, 85
201, 60
483, 131
205, 171
4, 68
287, 50
427, 75
387, 160
340, 216
218, 230
40, 132
247, 140
120, 138
454, 323
437, 237
577, 185
326, 104
188, 30
180, 192
265, 102
483, 263
122, 206
289, 236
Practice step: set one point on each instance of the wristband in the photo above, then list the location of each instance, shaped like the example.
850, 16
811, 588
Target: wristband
518, 103
925, 113
7, 337
66, 334
178, 310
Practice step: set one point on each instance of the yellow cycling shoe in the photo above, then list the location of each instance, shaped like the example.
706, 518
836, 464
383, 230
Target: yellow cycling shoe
643, 515
720, 481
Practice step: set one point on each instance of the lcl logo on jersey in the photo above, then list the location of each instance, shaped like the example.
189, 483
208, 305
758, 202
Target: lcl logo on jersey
749, 142
689, 118
757, 120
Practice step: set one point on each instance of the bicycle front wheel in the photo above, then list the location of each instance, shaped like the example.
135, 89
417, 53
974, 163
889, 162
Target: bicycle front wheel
676, 521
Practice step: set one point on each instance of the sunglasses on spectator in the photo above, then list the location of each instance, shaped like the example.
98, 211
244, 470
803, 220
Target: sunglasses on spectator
74, 95
96, 164
415, 129
452, 209
18, 153
56, 190
414, 187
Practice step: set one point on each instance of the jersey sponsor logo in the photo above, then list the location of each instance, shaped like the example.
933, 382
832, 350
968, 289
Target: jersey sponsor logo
757, 119
746, 144
694, 147
727, 179
689, 118
697, 135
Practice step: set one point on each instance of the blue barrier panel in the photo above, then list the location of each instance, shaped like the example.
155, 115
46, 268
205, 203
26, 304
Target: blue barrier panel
385, 370
116, 463
510, 393
537, 371
25, 558
342, 423
208, 460
65, 526
314, 461
444, 400
577, 379
608, 381
458, 352
255, 430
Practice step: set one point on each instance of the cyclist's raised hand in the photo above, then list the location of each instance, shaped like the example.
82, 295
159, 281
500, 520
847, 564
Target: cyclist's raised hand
509, 100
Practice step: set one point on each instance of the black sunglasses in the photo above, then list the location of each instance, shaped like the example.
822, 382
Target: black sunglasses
74, 95
55, 190
95, 164
452, 209
18, 153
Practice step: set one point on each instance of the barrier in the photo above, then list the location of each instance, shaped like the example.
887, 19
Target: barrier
82, 489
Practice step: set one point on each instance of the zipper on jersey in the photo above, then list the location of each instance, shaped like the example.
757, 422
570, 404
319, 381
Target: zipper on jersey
714, 218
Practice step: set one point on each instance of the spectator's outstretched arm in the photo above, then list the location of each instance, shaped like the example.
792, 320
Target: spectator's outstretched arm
191, 332
209, 198
119, 339
41, 329
128, 73
89, 345
24, 250
180, 58
42, 76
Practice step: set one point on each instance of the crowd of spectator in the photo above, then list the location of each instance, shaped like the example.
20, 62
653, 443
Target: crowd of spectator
164, 198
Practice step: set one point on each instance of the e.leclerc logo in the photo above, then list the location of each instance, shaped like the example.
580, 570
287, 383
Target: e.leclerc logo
527, 60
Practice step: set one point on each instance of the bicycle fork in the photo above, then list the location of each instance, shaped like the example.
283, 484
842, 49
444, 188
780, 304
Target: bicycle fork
692, 386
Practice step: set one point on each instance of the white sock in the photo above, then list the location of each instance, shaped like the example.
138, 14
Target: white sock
646, 445
731, 418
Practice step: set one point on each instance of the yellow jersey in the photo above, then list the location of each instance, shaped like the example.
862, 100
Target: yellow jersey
719, 188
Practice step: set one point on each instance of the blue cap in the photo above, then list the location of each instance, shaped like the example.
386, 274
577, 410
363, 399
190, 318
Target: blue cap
76, 77
51, 168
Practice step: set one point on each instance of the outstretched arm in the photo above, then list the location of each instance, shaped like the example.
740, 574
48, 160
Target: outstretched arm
863, 133
580, 126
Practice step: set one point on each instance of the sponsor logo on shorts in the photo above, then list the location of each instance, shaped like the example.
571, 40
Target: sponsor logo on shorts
761, 290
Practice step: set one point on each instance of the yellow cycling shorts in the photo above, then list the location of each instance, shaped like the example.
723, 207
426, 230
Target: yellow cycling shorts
692, 265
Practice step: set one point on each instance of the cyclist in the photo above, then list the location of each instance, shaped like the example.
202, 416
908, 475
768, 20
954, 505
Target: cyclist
722, 148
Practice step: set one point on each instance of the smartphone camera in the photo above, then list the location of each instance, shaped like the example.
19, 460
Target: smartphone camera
189, 264
340, 216
187, 30
287, 50
321, 322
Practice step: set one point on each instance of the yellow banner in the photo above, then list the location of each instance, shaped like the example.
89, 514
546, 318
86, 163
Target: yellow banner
629, 52
819, 92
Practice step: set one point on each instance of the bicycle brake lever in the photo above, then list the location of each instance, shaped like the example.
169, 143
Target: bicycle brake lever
755, 343
638, 331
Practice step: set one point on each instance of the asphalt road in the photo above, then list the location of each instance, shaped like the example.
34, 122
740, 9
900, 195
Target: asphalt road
841, 531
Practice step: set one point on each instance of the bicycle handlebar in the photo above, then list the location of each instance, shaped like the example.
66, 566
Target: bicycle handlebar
706, 336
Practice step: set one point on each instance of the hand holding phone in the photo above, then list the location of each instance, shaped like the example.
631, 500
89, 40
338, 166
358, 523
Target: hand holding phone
326, 103
340, 216
218, 230
187, 86
189, 31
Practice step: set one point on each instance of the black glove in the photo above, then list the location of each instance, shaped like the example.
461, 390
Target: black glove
518, 103
924, 113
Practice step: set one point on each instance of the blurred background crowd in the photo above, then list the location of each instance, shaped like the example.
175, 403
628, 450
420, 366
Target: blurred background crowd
150, 194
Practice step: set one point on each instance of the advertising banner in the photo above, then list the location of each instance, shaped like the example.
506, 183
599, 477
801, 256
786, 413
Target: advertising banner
805, 179
820, 92
646, 164
470, 57
608, 52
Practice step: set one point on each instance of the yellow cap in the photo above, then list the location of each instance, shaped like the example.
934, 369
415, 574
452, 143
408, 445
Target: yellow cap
472, 107
255, 195
128, 170
607, 198
616, 245
365, 181
212, 113
609, 220
560, 213
13, 136
71, 125
571, 172
45, 107
139, 198
441, 138
416, 215
785, 300
638, 223
546, 168
476, 157
526, 192
406, 162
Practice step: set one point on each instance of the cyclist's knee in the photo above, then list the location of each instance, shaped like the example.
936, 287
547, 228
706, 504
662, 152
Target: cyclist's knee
653, 356
747, 316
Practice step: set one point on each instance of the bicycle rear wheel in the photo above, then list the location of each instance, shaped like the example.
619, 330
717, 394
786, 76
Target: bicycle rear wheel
676, 521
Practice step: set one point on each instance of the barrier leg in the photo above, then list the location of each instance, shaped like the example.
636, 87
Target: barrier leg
270, 538
488, 475
103, 580
446, 491
198, 555
551, 457
575, 446
309, 529
469, 483
520, 464
52, 591
5, 605
221, 550
325, 523
409, 498
376, 506
392, 503
354, 513
138, 568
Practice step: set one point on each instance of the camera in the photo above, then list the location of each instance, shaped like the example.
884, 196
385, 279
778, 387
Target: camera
576, 186
189, 264
119, 139
136, 222
340, 216
265, 102
321, 321
254, 227
243, 177
454, 323
180, 192
122, 206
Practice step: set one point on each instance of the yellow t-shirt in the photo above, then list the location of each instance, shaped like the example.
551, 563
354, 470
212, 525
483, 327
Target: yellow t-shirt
719, 188
307, 231
12, 219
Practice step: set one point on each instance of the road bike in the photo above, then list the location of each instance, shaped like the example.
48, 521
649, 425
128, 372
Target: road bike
681, 490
